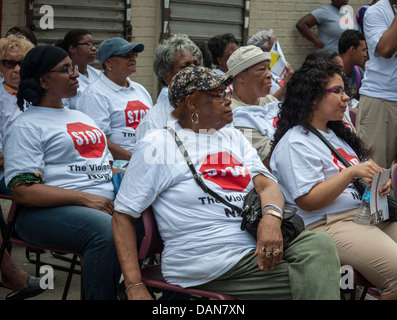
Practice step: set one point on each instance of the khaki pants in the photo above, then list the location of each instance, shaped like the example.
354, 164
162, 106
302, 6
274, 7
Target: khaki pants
371, 250
376, 125
309, 270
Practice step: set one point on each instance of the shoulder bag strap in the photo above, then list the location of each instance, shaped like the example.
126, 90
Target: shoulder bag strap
359, 182
329, 145
196, 176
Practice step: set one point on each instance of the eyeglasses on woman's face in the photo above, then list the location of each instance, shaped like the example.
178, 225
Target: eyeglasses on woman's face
222, 95
10, 64
69, 70
337, 90
89, 45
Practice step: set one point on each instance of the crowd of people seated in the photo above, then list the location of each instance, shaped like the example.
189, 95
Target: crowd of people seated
69, 129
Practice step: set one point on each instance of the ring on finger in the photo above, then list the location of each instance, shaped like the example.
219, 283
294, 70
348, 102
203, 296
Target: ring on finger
276, 252
269, 253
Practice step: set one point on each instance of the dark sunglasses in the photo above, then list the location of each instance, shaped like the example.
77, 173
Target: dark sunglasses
127, 55
10, 64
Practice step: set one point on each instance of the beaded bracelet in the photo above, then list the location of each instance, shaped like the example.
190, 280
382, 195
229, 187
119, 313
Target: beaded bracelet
133, 285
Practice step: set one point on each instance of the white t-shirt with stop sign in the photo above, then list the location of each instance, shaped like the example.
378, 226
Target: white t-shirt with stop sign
301, 160
117, 110
202, 236
64, 146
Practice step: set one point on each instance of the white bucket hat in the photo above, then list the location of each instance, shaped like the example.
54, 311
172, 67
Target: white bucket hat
245, 57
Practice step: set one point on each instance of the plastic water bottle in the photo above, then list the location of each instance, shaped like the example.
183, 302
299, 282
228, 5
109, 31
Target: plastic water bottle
363, 215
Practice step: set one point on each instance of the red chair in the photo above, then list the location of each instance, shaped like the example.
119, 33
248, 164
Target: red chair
11, 235
353, 116
358, 280
151, 275
394, 178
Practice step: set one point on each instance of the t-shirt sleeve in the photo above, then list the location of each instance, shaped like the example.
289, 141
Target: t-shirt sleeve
23, 145
147, 175
319, 14
375, 26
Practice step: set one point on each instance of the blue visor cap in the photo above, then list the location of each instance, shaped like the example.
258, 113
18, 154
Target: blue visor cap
115, 46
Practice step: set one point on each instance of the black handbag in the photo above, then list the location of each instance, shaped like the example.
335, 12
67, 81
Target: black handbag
291, 226
359, 183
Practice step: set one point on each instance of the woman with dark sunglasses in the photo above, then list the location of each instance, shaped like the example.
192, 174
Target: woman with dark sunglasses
80, 45
12, 50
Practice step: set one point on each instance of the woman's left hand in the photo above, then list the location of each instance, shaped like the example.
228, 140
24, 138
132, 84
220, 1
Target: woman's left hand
384, 191
269, 245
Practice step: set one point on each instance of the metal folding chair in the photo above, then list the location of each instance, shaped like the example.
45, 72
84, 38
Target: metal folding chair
11, 236
151, 245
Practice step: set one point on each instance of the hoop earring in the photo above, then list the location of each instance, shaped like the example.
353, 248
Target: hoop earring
192, 118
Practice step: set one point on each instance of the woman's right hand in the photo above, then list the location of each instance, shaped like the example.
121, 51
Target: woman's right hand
98, 202
366, 170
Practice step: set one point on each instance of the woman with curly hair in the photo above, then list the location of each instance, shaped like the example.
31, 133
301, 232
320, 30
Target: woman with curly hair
315, 182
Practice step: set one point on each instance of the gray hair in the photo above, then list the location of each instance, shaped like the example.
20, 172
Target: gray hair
167, 52
262, 39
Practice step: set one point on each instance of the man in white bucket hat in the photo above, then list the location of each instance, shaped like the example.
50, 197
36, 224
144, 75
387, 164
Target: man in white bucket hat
254, 110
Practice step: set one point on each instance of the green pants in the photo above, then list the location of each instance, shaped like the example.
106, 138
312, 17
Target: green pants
310, 270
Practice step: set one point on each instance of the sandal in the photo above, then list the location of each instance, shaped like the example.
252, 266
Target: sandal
32, 290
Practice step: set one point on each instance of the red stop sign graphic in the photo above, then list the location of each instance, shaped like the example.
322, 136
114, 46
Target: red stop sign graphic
351, 159
134, 113
224, 170
275, 121
89, 141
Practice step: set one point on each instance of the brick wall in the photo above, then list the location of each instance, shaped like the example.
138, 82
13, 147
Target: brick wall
280, 15
13, 15
146, 22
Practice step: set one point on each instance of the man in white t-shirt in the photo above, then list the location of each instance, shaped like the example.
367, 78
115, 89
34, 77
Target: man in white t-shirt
377, 115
